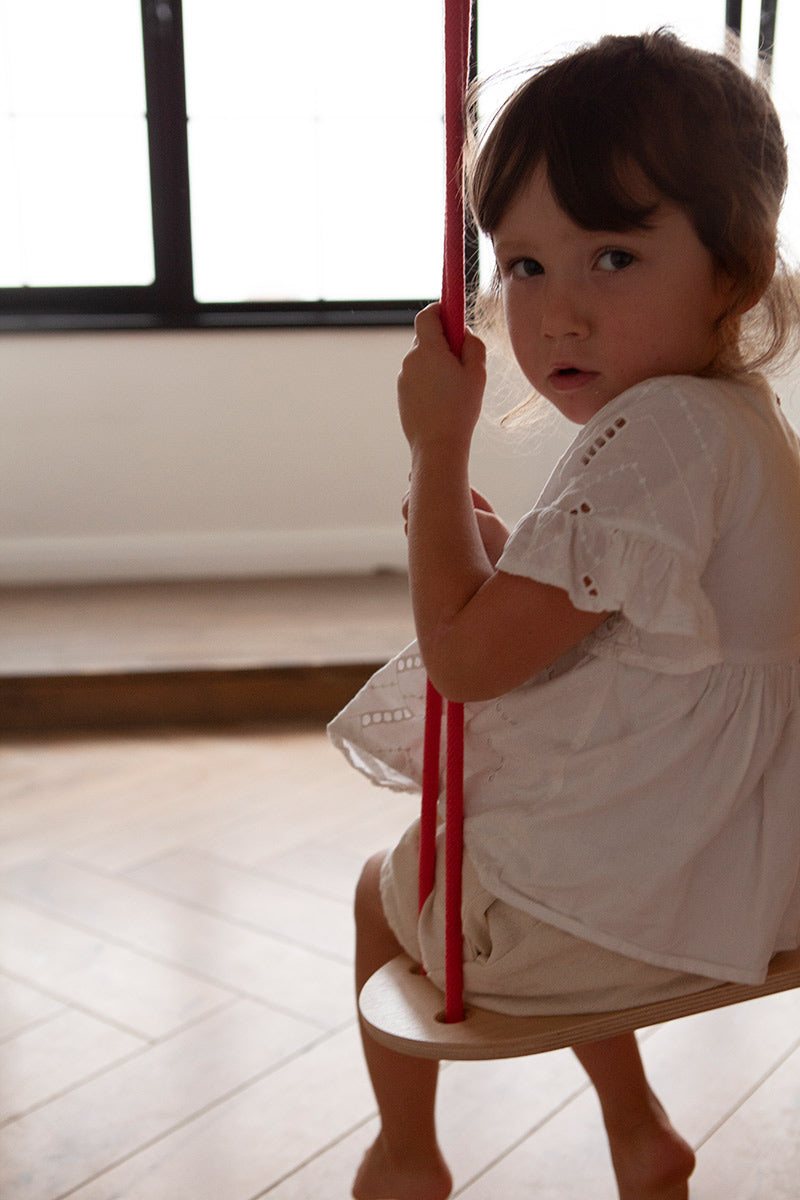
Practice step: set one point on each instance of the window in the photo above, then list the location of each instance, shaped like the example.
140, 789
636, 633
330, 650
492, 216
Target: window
195, 164
314, 149
305, 187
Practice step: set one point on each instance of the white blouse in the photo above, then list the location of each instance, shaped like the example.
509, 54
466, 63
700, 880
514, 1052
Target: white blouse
643, 793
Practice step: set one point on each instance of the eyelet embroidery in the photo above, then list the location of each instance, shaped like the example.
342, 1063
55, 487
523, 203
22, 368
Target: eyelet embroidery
411, 662
589, 584
386, 717
602, 438
391, 716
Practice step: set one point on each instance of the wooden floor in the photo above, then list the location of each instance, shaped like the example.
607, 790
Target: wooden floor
176, 1016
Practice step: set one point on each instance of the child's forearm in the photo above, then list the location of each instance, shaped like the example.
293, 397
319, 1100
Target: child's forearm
440, 397
448, 563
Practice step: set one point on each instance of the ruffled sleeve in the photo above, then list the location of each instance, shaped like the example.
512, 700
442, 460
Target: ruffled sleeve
629, 518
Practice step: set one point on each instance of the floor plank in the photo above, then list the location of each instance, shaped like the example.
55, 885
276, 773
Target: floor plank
123, 1110
253, 900
22, 1008
131, 990
55, 1056
243, 961
236, 1149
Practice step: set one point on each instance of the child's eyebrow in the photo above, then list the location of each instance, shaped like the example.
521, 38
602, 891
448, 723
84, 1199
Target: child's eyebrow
521, 242
511, 246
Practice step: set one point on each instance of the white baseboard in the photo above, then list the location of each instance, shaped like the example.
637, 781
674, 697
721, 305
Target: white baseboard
166, 556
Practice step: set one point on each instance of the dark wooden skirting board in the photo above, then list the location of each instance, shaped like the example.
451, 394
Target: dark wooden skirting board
44, 703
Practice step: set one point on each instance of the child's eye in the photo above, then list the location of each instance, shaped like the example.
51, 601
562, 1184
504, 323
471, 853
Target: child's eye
525, 268
614, 260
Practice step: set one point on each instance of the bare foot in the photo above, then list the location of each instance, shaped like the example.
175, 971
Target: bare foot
383, 1176
651, 1160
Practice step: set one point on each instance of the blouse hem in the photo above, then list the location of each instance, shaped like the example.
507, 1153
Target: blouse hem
723, 972
376, 770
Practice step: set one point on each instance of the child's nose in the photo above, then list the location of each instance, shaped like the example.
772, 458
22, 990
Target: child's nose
563, 313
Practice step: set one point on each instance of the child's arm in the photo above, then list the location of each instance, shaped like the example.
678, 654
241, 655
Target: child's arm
481, 631
493, 531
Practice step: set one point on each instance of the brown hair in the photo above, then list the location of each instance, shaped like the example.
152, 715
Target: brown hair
700, 131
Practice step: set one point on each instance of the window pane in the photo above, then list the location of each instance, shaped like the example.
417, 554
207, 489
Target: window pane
315, 149
383, 236
75, 206
243, 249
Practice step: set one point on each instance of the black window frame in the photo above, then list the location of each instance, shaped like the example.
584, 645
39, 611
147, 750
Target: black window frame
169, 302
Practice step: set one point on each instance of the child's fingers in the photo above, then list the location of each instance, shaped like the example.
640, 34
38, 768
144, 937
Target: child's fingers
428, 328
480, 502
428, 324
439, 394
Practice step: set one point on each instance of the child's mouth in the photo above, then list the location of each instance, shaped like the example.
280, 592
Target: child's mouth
564, 379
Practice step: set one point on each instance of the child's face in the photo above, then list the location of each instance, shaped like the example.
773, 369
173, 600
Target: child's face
590, 313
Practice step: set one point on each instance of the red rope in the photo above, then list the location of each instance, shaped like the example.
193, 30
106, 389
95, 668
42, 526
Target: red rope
454, 845
457, 15
456, 57
430, 793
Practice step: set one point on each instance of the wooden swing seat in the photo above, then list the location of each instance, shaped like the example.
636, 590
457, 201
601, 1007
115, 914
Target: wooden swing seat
402, 1010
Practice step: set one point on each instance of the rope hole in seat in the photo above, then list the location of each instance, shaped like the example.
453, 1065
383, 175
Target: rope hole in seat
441, 1017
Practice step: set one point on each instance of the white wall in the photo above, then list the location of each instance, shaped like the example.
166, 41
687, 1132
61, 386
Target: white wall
164, 455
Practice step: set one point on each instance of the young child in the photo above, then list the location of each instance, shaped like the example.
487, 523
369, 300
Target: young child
628, 656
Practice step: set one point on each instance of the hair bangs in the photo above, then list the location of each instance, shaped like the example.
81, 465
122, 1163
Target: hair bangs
598, 183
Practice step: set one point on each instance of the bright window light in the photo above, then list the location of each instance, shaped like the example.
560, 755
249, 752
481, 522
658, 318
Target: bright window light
315, 149
75, 201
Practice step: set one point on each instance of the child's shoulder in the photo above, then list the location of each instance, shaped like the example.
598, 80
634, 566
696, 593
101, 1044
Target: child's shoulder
686, 405
671, 394
675, 423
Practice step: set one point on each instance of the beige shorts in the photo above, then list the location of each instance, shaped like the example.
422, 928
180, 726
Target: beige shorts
514, 962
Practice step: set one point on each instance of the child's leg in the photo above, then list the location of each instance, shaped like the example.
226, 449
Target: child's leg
405, 1161
651, 1160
